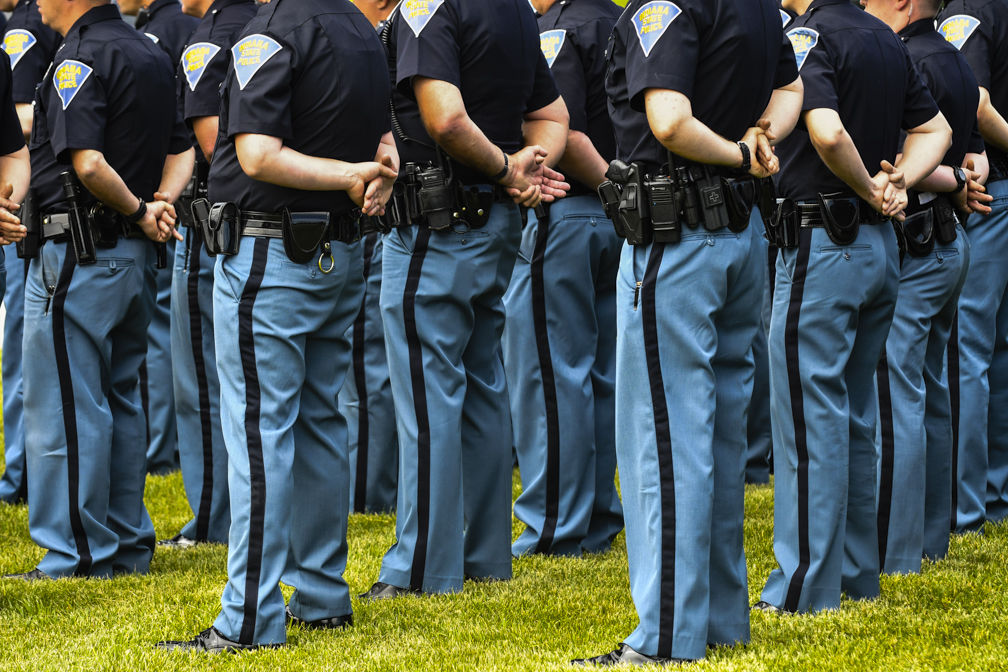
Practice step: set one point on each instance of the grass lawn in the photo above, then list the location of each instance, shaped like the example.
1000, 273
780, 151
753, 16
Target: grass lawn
954, 616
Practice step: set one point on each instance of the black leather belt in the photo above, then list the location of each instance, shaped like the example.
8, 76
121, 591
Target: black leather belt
344, 228
56, 227
811, 213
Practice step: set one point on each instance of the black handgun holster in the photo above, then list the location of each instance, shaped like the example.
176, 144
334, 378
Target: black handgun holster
783, 228
740, 196
222, 233
303, 233
918, 233
945, 222
28, 247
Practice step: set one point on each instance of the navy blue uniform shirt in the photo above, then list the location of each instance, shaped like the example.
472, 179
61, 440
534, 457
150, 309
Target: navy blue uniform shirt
11, 139
573, 36
854, 64
109, 89
952, 84
979, 29
205, 59
726, 56
169, 27
31, 45
313, 73
490, 51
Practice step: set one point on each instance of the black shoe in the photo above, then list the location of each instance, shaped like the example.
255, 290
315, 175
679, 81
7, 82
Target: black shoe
624, 655
385, 591
178, 541
211, 641
34, 575
331, 623
768, 608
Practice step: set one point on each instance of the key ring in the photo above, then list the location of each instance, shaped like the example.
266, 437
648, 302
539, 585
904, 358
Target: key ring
326, 251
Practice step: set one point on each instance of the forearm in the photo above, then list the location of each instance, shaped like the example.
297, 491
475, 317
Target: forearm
466, 143
15, 170
387, 148
784, 109
26, 115
922, 153
178, 169
552, 136
993, 126
940, 181
842, 158
267, 159
103, 181
582, 161
670, 116
981, 165
205, 129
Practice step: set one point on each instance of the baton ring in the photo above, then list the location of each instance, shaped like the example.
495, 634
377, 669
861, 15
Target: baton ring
332, 263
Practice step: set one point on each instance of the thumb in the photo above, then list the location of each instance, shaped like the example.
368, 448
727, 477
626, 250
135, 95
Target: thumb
6, 190
888, 167
387, 171
969, 164
763, 124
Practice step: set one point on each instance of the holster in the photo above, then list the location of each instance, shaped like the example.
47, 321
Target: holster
80, 228
840, 219
766, 199
783, 227
28, 247
740, 197
918, 233
664, 205
945, 221
303, 234
475, 207
222, 233
713, 200
610, 196
107, 226
436, 198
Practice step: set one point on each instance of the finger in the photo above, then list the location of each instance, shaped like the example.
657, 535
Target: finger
970, 165
887, 167
6, 190
8, 204
387, 171
980, 208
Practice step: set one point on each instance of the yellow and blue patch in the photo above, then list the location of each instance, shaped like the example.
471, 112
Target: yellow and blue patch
551, 42
652, 20
803, 40
957, 29
195, 60
418, 13
17, 43
785, 17
250, 54
68, 79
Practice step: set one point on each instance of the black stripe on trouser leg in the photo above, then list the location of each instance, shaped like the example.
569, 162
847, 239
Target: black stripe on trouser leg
887, 464
549, 389
69, 410
253, 439
420, 407
953, 384
663, 439
360, 381
202, 385
145, 398
798, 418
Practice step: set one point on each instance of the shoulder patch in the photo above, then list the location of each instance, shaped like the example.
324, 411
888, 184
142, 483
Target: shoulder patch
250, 54
195, 59
652, 20
551, 42
785, 17
418, 13
68, 79
803, 40
17, 43
153, 38
957, 29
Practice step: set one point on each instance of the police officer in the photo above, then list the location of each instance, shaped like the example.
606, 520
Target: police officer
687, 126
444, 275
102, 144
307, 93
30, 45
366, 398
202, 454
164, 23
979, 29
559, 338
14, 166
825, 342
914, 496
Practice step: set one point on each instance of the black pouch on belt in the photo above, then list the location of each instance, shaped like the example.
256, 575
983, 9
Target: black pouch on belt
710, 189
106, 225
28, 247
222, 233
303, 233
476, 207
784, 226
918, 232
840, 219
944, 221
740, 197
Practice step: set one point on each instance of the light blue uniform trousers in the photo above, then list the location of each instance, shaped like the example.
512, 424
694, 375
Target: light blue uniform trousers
13, 484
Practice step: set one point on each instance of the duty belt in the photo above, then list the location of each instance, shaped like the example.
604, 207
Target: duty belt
344, 228
56, 227
811, 213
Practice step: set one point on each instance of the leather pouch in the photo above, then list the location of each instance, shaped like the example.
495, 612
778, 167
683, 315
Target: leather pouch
303, 234
222, 233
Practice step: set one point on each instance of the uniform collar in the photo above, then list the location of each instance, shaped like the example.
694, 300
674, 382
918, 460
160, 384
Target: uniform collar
158, 5
221, 4
816, 4
919, 27
552, 15
95, 15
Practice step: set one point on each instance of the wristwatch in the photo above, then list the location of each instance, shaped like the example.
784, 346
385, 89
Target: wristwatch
961, 180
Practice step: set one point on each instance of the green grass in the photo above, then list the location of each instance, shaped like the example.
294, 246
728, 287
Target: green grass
953, 616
